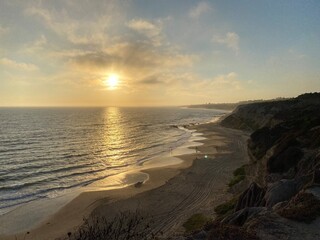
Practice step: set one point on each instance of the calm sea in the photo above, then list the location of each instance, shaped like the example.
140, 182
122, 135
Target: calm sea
45, 152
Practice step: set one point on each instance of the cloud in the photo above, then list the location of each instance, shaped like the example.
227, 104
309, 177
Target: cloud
3, 30
93, 59
134, 56
150, 30
95, 45
178, 85
220, 83
140, 65
35, 46
201, 8
18, 65
79, 32
151, 80
226, 81
231, 40
207, 89
169, 78
41, 41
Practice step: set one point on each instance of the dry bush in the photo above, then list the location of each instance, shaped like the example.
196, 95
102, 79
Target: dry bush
126, 225
221, 231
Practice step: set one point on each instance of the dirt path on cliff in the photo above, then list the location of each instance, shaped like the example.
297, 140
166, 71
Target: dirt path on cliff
197, 189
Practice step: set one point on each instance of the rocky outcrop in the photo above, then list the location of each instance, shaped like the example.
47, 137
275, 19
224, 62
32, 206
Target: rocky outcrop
252, 197
304, 207
242, 216
281, 191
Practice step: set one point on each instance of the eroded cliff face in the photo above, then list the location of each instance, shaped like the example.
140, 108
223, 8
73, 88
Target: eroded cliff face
284, 172
285, 137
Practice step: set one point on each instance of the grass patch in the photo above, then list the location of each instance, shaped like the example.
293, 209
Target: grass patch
238, 175
226, 207
236, 180
239, 171
196, 222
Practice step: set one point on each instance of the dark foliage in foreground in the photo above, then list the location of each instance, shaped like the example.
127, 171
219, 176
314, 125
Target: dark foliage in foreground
221, 231
126, 225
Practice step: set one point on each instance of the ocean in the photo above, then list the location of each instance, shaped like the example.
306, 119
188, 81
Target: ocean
46, 152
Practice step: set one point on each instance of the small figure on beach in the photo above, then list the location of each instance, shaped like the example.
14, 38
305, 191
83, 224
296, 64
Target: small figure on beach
196, 152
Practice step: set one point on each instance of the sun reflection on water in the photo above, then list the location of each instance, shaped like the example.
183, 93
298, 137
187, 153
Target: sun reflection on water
114, 137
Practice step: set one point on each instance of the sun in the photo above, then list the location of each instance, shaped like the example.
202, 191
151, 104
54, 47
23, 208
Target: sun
112, 81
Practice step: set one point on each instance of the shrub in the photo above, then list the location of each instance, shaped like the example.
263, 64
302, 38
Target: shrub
238, 176
196, 222
224, 208
239, 171
126, 225
236, 180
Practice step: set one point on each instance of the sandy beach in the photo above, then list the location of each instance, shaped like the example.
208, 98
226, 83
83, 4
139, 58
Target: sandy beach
169, 196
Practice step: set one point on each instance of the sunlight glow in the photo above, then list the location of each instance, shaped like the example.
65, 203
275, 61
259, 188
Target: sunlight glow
112, 82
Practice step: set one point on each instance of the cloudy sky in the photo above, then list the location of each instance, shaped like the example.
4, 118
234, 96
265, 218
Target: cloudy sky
168, 52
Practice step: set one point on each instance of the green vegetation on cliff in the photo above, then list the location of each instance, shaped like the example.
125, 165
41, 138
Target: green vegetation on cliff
226, 207
238, 175
196, 222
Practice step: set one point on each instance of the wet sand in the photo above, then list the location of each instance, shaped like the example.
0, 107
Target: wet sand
171, 194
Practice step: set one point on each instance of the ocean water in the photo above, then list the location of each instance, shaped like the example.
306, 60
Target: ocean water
45, 152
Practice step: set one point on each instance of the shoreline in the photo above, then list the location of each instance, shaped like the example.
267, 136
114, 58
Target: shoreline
28, 216
71, 214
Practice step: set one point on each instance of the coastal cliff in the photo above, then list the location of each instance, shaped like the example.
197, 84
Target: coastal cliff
285, 137
282, 197
277, 194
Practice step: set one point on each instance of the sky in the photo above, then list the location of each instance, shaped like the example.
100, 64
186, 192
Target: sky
161, 52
